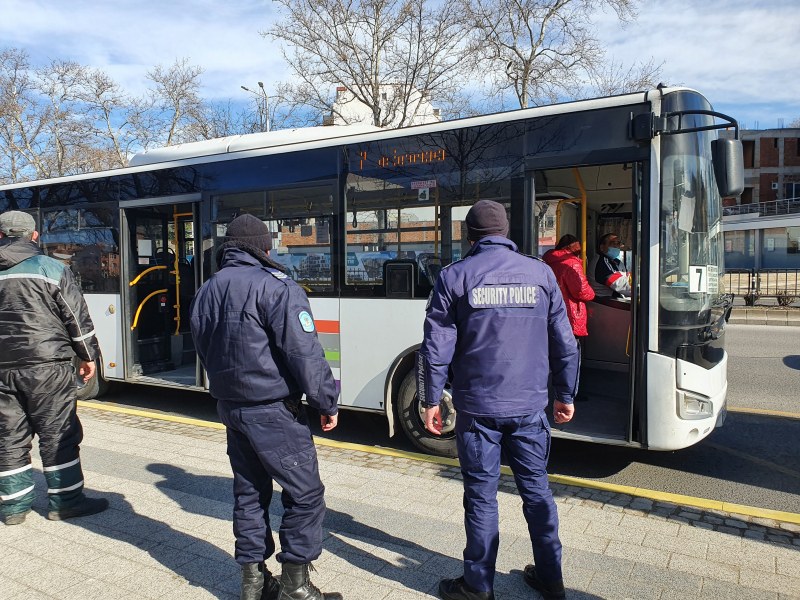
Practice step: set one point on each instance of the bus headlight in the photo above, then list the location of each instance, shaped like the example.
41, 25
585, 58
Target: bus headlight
693, 406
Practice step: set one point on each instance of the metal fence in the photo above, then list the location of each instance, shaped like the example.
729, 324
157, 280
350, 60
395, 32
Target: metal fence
780, 284
765, 209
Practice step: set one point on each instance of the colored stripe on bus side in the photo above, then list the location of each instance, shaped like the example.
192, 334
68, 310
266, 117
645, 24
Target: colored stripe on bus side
327, 326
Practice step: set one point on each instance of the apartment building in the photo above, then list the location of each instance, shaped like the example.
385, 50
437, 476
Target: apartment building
762, 226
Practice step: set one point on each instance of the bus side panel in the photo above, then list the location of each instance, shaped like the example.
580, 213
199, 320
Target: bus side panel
666, 430
326, 319
106, 312
375, 332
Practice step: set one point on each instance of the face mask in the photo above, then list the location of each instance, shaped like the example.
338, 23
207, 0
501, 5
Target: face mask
613, 252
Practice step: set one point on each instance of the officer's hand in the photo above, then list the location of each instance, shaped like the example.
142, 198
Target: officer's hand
87, 370
562, 413
433, 420
329, 422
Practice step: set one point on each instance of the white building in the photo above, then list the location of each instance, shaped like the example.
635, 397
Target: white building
347, 110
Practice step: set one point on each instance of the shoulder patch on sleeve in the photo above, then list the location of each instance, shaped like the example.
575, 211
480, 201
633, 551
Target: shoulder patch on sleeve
306, 321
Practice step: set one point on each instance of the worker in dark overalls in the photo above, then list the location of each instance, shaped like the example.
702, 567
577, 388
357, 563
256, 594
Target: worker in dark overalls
255, 335
497, 320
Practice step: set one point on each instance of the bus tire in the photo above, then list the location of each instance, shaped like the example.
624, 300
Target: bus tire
95, 387
408, 410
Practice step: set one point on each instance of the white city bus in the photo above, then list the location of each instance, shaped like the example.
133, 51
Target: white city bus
365, 218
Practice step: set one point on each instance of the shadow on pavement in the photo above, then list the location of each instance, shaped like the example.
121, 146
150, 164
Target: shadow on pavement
405, 569
206, 566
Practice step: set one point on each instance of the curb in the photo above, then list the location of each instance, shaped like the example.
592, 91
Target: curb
667, 497
765, 316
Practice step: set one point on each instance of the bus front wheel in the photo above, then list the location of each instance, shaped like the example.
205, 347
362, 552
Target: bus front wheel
412, 420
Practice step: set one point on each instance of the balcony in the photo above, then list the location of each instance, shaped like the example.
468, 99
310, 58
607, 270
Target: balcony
764, 209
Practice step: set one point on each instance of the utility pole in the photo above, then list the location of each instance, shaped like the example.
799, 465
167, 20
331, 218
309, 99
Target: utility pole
262, 100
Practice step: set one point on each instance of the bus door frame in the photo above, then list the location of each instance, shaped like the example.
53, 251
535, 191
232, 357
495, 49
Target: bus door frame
126, 269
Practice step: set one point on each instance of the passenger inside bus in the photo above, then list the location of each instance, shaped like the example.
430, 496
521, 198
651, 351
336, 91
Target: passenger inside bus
607, 273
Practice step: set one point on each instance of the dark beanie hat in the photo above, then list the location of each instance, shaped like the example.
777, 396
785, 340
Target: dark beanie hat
250, 230
486, 217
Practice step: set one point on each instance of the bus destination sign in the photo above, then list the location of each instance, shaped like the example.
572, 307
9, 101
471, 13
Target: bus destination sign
399, 158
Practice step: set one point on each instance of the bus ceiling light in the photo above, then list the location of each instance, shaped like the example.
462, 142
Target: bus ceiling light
692, 406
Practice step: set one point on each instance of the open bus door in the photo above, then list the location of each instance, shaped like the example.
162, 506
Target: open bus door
162, 270
587, 202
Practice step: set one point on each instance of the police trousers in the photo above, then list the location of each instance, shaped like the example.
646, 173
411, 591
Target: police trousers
266, 443
526, 443
39, 400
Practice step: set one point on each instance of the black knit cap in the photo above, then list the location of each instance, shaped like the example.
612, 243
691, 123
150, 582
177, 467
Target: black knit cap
250, 230
486, 217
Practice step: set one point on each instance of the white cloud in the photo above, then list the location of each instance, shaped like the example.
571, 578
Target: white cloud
128, 39
743, 56
739, 54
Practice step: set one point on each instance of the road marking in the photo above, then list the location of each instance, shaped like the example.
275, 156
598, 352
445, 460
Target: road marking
757, 461
680, 499
765, 412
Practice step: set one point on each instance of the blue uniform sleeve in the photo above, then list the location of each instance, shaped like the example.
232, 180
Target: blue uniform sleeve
438, 345
564, 355
291, 323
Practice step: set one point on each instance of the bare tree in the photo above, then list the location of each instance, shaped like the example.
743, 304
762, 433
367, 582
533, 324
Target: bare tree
540, 50
22, 120
389, 55
615, 78
176, 101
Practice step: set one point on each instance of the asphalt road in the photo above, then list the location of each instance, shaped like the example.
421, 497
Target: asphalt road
753, 460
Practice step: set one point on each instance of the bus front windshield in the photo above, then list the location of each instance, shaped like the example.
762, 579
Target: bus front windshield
691, 231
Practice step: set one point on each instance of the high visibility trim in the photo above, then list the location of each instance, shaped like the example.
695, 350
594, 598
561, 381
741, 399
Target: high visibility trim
64, 466
19, 494
83, 337
54, 282
66, 489
15, 471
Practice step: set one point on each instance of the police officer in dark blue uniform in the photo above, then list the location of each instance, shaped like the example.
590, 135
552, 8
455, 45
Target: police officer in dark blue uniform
255, 335
497, 320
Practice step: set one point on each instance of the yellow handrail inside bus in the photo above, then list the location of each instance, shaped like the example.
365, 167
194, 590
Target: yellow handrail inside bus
145, 272
177, 305
582, 188
141, 304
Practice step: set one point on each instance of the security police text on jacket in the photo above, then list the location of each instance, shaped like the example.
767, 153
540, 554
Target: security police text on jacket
255, 335
477, 307
496, 320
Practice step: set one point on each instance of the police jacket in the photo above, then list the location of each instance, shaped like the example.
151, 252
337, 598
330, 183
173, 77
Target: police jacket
497, 319
575, 288
43, 316
254, 334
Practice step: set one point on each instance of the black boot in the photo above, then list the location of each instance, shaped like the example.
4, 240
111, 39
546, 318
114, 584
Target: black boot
86, 506
458, 589
296, 582
258, 583
550, 591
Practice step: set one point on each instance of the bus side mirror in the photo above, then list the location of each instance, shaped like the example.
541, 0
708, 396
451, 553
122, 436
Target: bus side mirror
728, 166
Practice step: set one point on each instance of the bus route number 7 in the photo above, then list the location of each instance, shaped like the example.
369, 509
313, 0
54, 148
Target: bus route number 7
698, 280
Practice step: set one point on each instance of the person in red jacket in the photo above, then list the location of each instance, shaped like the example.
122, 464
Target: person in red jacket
565, 260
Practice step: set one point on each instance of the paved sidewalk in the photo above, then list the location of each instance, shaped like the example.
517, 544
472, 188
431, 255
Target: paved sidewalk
394, 527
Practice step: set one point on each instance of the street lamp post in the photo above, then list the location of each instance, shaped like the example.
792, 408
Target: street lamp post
263, 109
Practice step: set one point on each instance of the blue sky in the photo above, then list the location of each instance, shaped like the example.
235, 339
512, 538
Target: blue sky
744, 56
